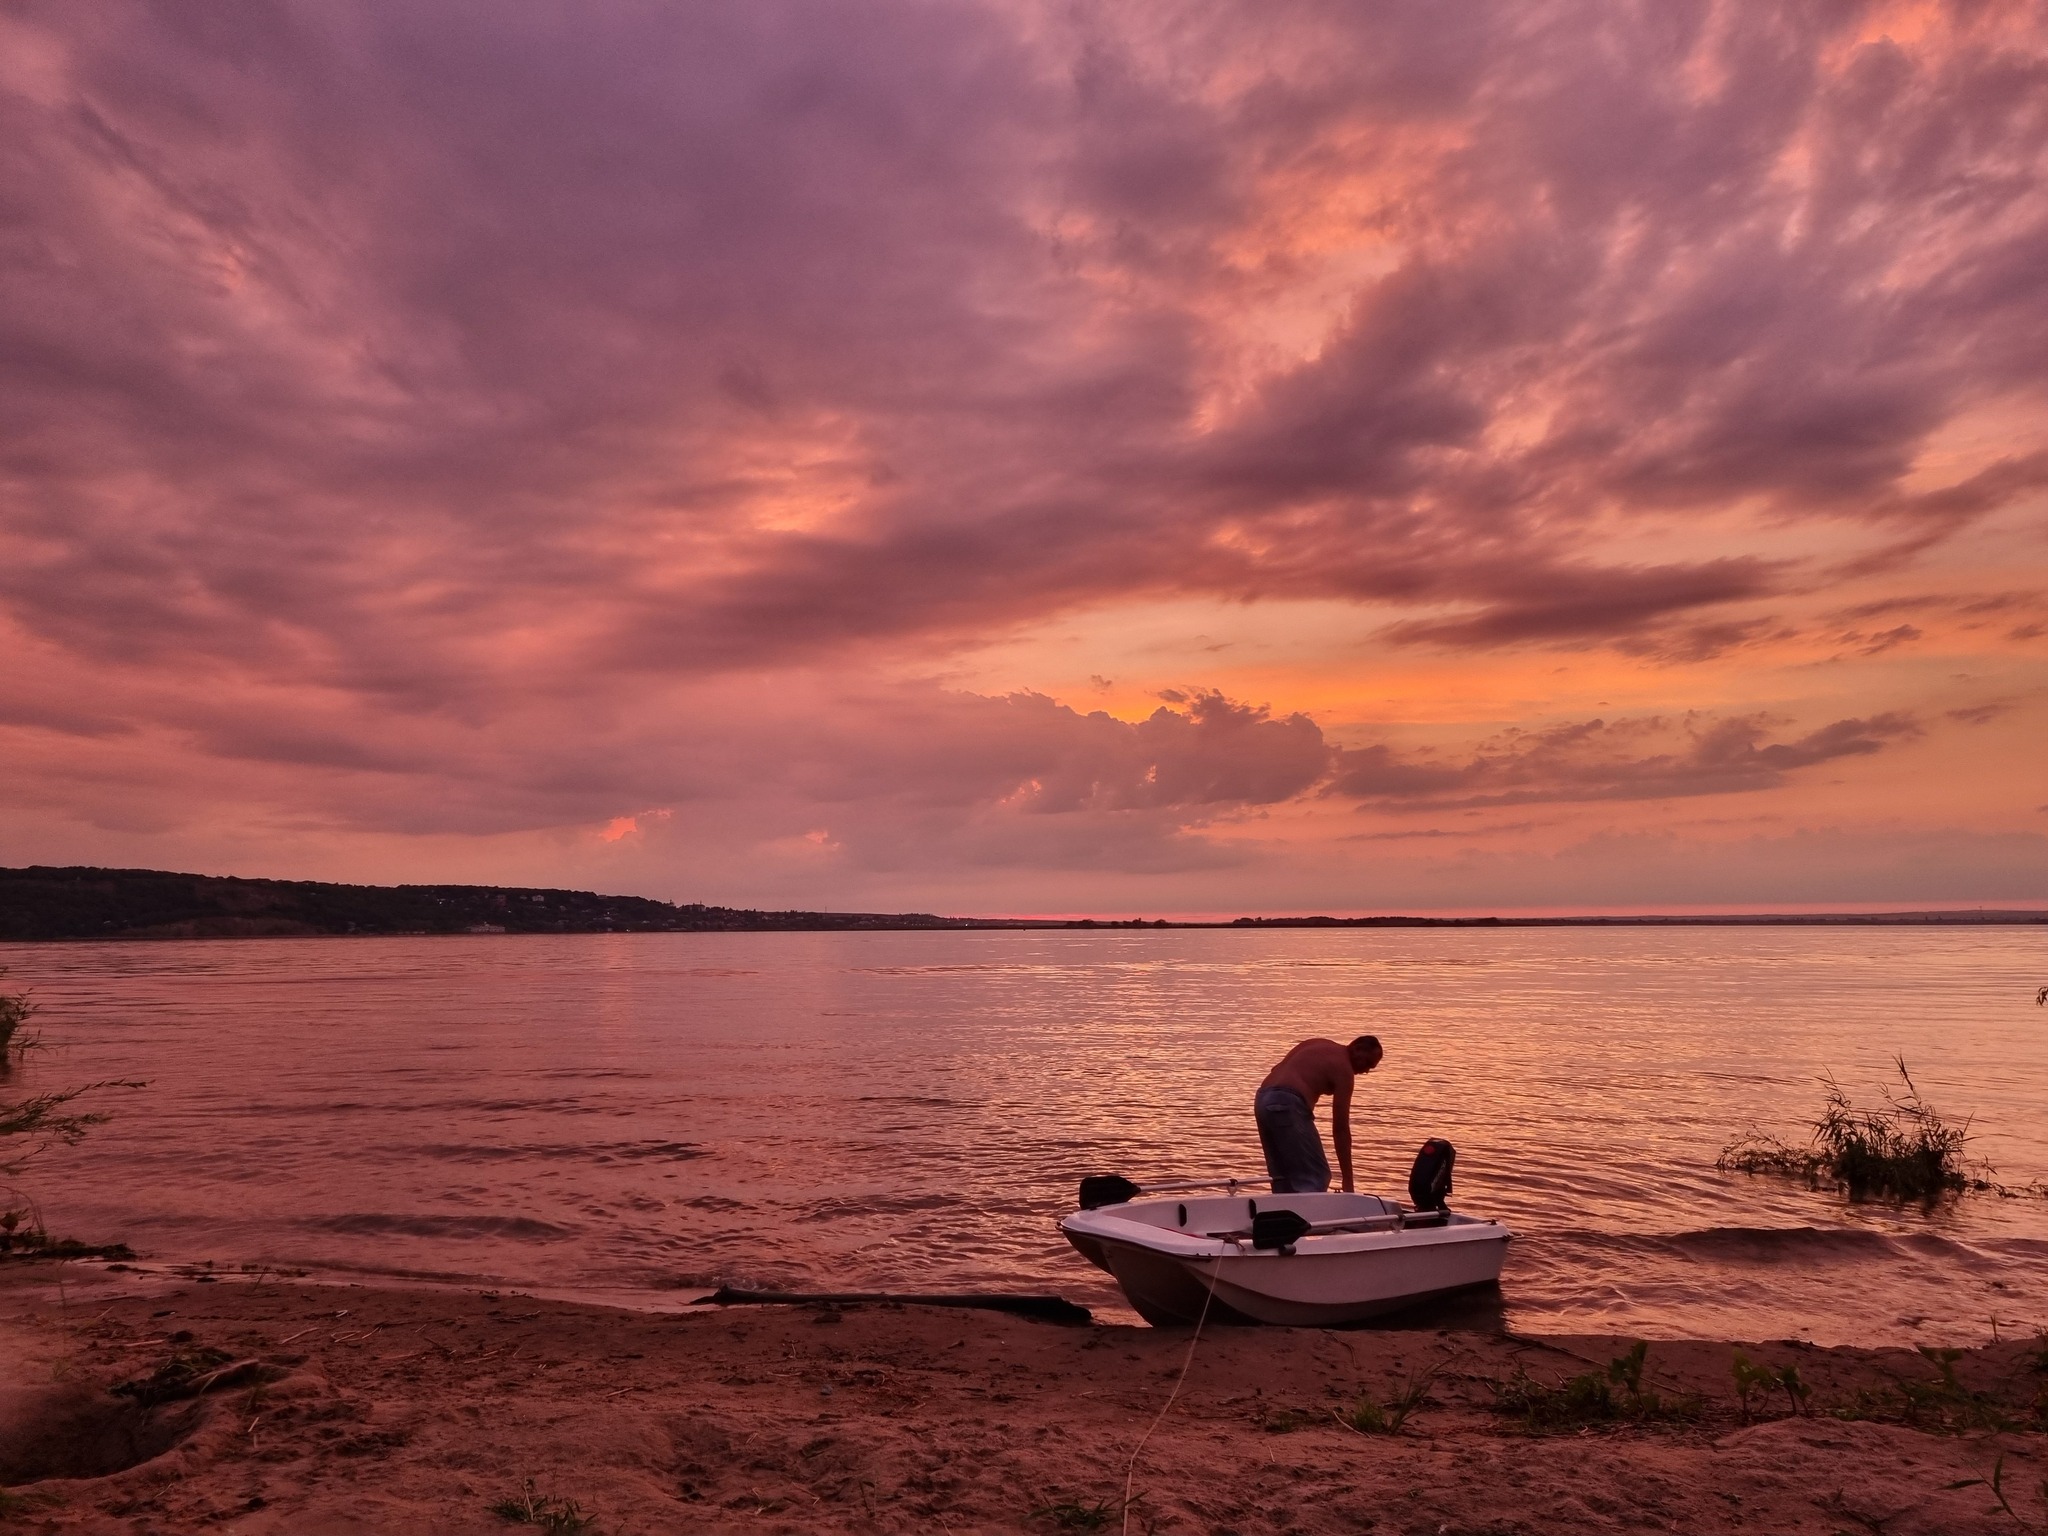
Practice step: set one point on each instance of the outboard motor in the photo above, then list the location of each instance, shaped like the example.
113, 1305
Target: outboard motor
1429, 1184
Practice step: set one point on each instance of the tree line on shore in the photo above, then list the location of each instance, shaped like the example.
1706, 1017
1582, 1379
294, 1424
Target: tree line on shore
80, 902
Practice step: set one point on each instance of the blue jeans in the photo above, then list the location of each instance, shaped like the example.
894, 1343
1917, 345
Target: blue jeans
1294, 1150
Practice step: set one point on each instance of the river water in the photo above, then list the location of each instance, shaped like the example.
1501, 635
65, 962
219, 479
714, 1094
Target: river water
634, 1117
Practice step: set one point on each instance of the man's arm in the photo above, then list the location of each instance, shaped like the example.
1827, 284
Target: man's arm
1340, 1129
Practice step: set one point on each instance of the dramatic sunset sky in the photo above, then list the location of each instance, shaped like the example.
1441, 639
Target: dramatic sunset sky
1138, 458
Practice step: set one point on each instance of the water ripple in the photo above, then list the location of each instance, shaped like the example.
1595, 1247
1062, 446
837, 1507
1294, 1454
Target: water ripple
878, 1110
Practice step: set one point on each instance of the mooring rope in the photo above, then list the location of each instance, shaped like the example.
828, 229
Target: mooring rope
1131, 1467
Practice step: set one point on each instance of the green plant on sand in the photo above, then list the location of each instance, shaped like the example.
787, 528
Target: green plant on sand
1285, 1421
12, 1504
1945, 1402
1756, 1383
1584, 1399
1901, 1150
1072, 1515
1591, 1397
23, 1235
553, 1516
1370, 1416
1996, 1483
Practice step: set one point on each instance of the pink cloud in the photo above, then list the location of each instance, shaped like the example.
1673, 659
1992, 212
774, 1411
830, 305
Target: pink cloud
317, 379
1652, 758
492, 422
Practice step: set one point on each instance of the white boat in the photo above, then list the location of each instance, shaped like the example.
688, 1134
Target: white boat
1351, 1257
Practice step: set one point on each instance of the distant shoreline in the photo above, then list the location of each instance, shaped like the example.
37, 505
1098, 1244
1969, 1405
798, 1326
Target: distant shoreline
44, 904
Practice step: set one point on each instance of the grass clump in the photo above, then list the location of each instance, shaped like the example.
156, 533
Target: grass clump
43, 1121
1899, 1150
1073, 1515
1616, 1394
1584, 1399
23, 1236
1370, 1416
1640, 1402
188, 1373
1940, 1405
19, 1505
545, 1513
1757, 1384
1945, 1403
1997, 1484
29, 1127
15, 1012
1285, 1421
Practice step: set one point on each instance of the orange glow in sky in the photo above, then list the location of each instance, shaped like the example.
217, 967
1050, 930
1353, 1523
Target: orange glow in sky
1535, 457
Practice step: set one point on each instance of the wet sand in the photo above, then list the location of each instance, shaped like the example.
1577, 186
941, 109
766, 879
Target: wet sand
355, 1409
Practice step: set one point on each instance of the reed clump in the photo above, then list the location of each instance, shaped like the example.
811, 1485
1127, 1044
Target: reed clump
44, 1120
33, 1125
1901, 1149
15, 1012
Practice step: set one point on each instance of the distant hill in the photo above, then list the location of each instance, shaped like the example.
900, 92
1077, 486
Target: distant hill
41, 902
80, 902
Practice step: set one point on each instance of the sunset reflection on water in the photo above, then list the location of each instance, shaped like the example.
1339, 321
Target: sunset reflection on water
630, 1116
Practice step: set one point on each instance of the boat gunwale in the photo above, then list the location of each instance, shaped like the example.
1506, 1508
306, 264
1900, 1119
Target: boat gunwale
1104, 1225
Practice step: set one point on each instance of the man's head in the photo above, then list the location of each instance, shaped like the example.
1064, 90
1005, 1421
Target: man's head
1366, 1053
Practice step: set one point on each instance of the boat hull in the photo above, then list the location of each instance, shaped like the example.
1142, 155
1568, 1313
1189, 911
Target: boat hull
1172, 1276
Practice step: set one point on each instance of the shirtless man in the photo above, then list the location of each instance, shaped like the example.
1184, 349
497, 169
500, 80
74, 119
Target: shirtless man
1285, 1111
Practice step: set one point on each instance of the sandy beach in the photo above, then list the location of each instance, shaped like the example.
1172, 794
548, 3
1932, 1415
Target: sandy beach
343, 1409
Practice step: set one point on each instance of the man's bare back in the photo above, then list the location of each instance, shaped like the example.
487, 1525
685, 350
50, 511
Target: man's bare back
1312, 1069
